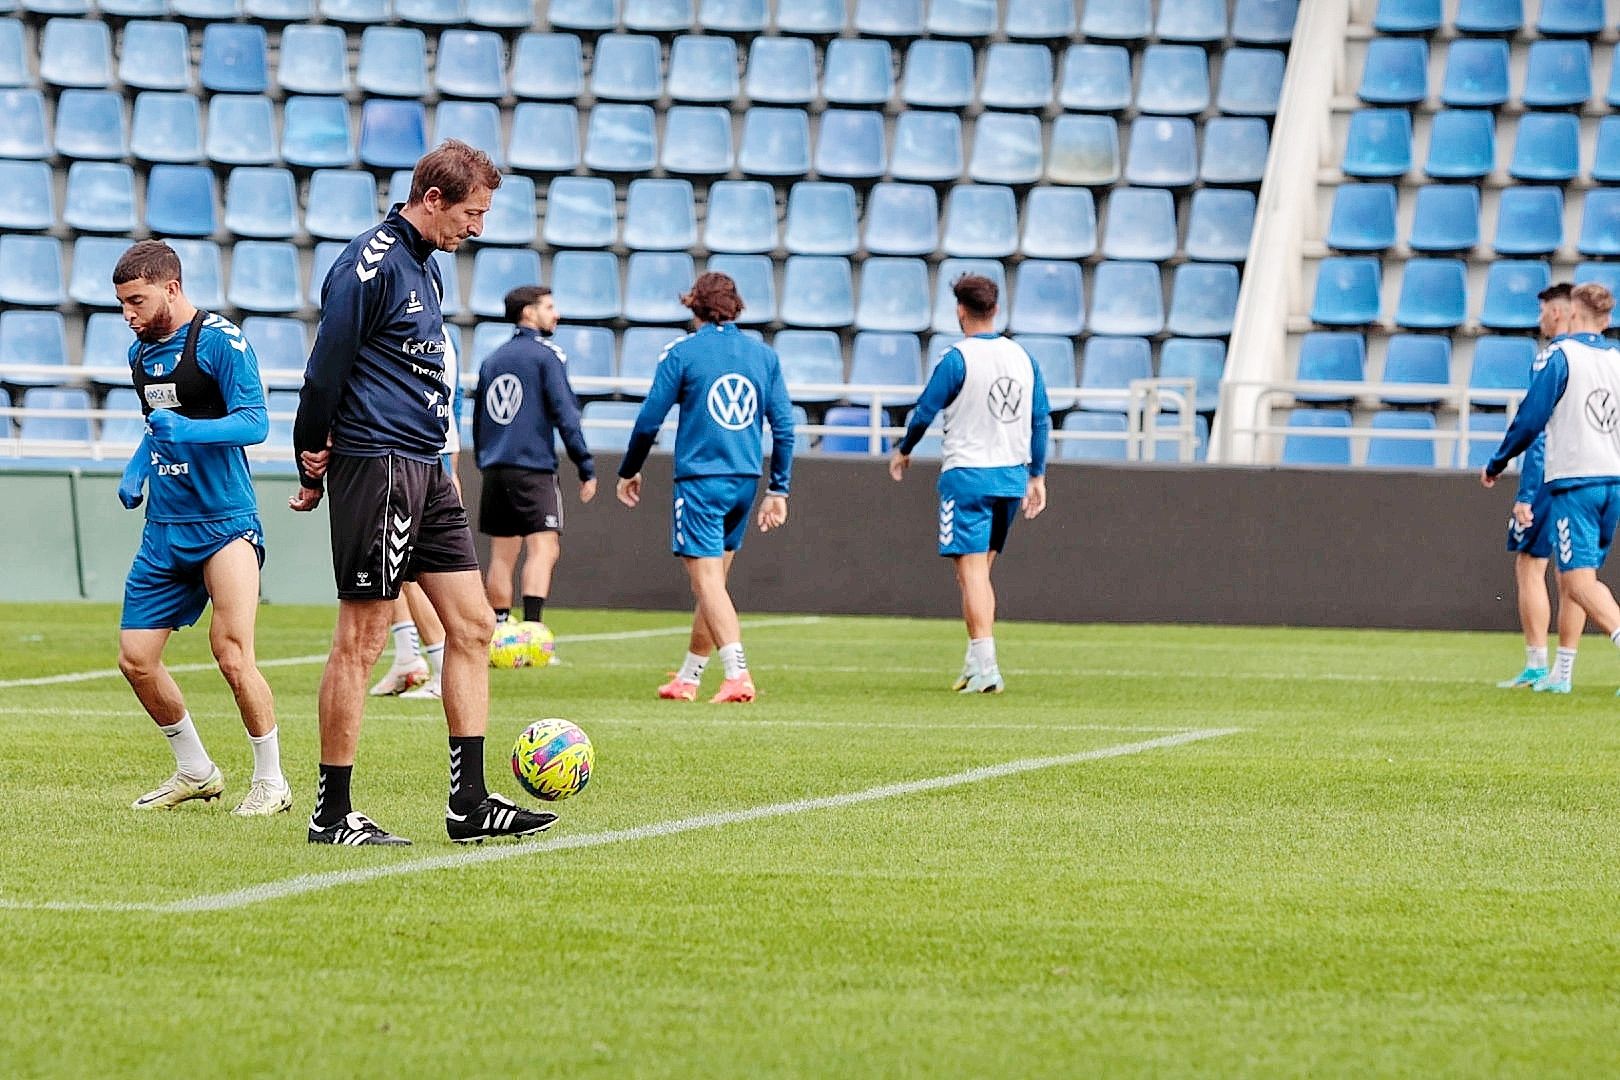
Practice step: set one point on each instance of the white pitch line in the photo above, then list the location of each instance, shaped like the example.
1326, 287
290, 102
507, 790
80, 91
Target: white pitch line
310, 883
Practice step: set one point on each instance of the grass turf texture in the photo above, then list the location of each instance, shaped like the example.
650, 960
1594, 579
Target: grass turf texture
1394, 868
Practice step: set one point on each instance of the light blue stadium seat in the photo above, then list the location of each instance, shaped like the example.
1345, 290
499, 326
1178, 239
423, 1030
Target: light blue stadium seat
1396, 71
1167, 447
1059, 223
817, 291
1502, 363
589, 350
100, 197
320, 264
1235, 149
1175, 80
981, 221
857, 71
431, 12
962, 18
1600, 223
1445, 218
733, 16
1251, 82
1006, 149
889, 18
945, 300
241, 130
393, 62
1462, 144
75, 52
1489, 16
658, 16
1203, 299
1529, 221
48, 7
1579, 18
1048, 298
1219, 226
1099, 447
1096, 78
281, 344
939, 74
620, 138
204, 275
1301, 449
801, 438
894, 295
128, 428
580, 212
1163, 152
1044, 19
316, 133
741, 217
659, 215
235, 58
1613, 95
450, 278
775, 142
697, 140
1191, 20
1476, 74
859, 420
810, 17
642, 348
548, 66
810, 356
126, 9
1119, 20
279, 11
781, 71
1408, 16
167, 127
885, 359
1434, 294
496, 272
1422, 359
1346, 291
39, 428
755, 276
358, 12
1111, 363
262, 204
851, 144
1363, 218
511, 217
477, 123
487, 337
1511, 286
1485, 430
180, 200
468, 64
93, 260
313, 60
626, 68
264, 276
927, 146
1401, 453
1127, 298
155, 56
1018, 76
583, 14
1547, 148
1558, 75
1201, 359
29, 204
654, 285
343, 203
1264, 22
1053, 355
1141, 224
545, 138
703, 69
14, 69
821, 219
393, 134
1330, 356
606, 425
33, 337
1379, 144
1606, 274
902, 219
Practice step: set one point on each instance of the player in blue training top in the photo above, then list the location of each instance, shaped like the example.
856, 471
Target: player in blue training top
997, 422
1530, 538
198, 382
1574, 397
721, 378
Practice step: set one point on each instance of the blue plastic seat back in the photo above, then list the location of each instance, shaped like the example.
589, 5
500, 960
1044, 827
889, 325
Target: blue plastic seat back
1408, 16
620, 138
477, 123
580, 212
589, 352
204, 275
262, 204
1304, 449
697, 140
393, 62
1048, 298
314, 60
859, 420
1547, 148
393, 134
241, 130
817, 291
626, 68
962, 18
775, 142
1251, 82
155, 56
431, 12
1175, 80
883, 359
1201, 359
643, 347
1378, 144
1511, 286
235, 58
889, 18
1059, 223
93, 260
100, 197
75, 52
180, 200
939, 74
1445, 218
927, 146
548, 66
821, 219
902, 219
583, 14
468, 64
1053, 355
1422, 359
1434, 294
1006, 149
1264, 22
857, 71
1121, 20
1476, 73
659, 215
741, 217
264, 276
654, 285
281, 344
1102, 437
1163, 152
981, 221
167, 127
487, 337
1559, 74
755, 277
1529, 221
1191, 20
1502, 363
450, 278
1220, 224
316, 133
1112, 363
1600, 223
733, 16
1096, 78
781, 71
658, 16
1485, 430
33, 337
1396, 71
37, 427
320, 265
1363, 218
1330, 356
1391, 452
496, 272
125, 427
1235, 149
1141, 224
894, 295
1462, 144
1019, 76
1489, 16
851, 144
511, 217
606, 424
1347, 291
810, 356
342, 203
545, 138
1042, 19
945, 300
1582, 18
1203, 299
1606, 274
14, 70
30, 205
703, 69
1127, 299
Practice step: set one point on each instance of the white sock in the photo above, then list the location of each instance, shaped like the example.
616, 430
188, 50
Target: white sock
189, 756
1564, 669
736, 663
435, 658
967, 658
692, 668
1535, 656
1615, 637
982, 652
406, 646
267, 756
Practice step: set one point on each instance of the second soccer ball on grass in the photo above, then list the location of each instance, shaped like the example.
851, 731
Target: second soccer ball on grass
520, 644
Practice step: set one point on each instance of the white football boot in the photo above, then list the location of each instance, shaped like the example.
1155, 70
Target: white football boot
180, 788
401, 678
264, 798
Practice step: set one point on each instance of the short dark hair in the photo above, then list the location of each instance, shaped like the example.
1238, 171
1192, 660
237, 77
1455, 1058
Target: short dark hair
455, 169
147, 260
714, 298
521, 297
977, 294
1556, 292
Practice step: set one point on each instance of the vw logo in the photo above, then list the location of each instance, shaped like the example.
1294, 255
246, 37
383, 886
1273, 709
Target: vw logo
1601, 411
1006, 399
504, 398
733, 402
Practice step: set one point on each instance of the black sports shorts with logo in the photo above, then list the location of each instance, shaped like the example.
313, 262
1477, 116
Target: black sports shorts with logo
519, 502
393, 519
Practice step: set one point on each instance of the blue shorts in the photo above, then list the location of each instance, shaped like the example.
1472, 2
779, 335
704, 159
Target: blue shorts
165, 589
1537, 540
970, 520
1584, 520
710, 515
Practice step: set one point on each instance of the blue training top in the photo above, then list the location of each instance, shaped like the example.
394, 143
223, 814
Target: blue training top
1528, 433
523, 401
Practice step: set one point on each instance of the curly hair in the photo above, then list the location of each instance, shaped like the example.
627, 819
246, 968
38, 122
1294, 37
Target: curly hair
714, 298
977, 294
147, 260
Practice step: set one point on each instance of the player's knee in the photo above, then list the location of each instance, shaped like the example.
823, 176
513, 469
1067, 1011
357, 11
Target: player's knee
233, 660
136, 669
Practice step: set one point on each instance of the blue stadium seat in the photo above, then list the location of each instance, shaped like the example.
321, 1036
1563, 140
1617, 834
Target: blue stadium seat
545, 138
620, 138
264, 276
1163, 152
1048, 298
1099, 446
320, 264
279, 11
1120, 20
1264, 22
1042, 19
1434, 295
733, 16
857, 418
204, 276
127, 428
1462, 144
316, 133
262, 204
1191, 20
583, 14
810, 17
1502, 363
1203, 299
282, 346
1529, 221
393, 134
1547, 148
241, 130
1559, 74
487, 337
939, 75
205, 10
857, 71
894, 295
1600, 223
927, 146
1059, 223
36, 427
775, 142
314, 60
580, 212
75, 52
1408, 16
962, 18
167, 127
642, 348
884, 359
606, 425
703, 69
235, 58
93, 260
810, 356
1096, 78
781, 71
741, 217
697, 140
1167, 446
1511, 286
1420, 359
180, 200
548, 66
755, 276
1606, 274
1396, 71
1019, 76
850, 144
496, 272
658, 16
1251, 82
1112, 363
14, 70
1006, 149
30, 206
1127, 298
1330, 356
155, 56
343, 203
431, 12
1201, 359
659, 215
626, 68
1389, 452
889, 18
821, 219
468, 64
589, 350
356, 11
1379, 144
393, 62
981, 221
1613, 95
817, 291
511, 217
1445, 218
902, 219
1235, 149
1476, 74
477, 123
1141, 224
1302, 449
1347, 291
945, 300
1485, 430
1219, 225
654, 285
1175, 80
1489, 16
1053, 355
1578, 18
33, 337
100, 197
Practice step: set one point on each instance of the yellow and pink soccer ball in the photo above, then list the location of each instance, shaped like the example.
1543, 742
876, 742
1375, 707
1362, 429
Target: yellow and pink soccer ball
520, 644
553, 759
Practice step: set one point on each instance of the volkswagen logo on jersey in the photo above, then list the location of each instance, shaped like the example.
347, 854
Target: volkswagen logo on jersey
1006, 399
504, 398
1601, 411
733, 402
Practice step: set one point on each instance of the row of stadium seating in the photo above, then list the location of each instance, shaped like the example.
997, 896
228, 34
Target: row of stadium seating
1392, 439
1435, 294
1557, 73
1447, 218
1555, 17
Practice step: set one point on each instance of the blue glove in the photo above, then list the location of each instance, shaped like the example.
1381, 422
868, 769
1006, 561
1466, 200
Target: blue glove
167, 425
129, 490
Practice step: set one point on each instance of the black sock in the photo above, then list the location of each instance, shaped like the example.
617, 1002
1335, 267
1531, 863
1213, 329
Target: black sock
533, 608
502, 614
332, 795
467, 788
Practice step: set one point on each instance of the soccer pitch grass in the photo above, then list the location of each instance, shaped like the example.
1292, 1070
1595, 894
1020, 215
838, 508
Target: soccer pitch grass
1389, 868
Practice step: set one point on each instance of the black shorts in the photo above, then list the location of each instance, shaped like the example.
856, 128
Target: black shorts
519, 502
392, 520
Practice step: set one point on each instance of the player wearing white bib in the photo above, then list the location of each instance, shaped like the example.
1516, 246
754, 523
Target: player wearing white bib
997, 422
